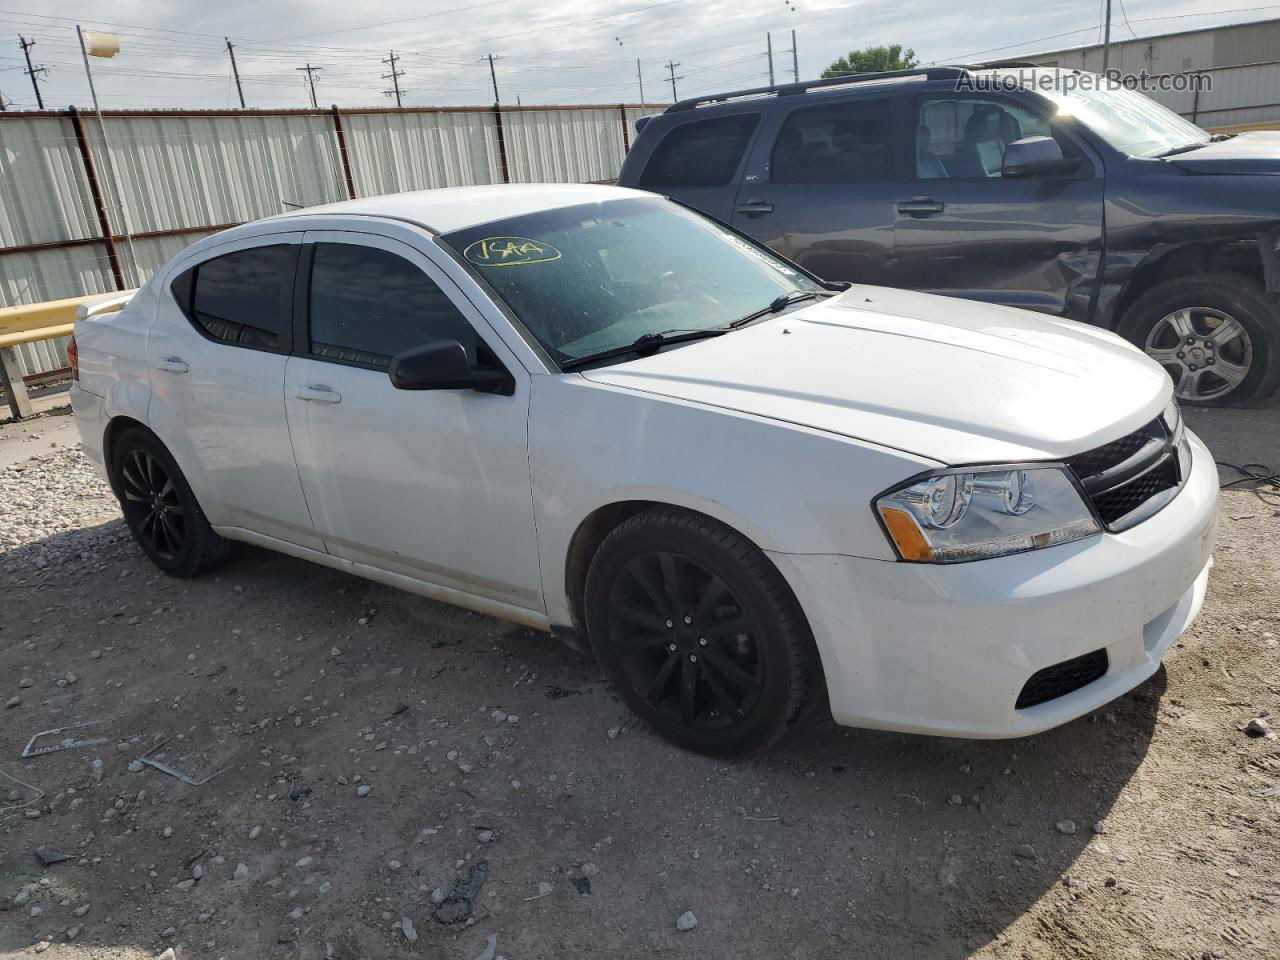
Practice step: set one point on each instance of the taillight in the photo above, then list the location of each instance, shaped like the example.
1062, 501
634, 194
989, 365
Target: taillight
73, 358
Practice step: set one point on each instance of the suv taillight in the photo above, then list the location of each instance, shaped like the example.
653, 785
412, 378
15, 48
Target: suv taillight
73, 358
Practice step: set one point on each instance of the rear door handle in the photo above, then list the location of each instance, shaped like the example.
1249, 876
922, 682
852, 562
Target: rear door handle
172, 365
920, 206
755, 208
318, 393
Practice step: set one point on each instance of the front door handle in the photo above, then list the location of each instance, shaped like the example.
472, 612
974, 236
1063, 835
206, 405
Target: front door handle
920, 206
172, 365
755, 208
318, 393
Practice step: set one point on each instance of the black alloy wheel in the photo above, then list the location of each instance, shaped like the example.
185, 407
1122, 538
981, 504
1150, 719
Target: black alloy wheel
698, 632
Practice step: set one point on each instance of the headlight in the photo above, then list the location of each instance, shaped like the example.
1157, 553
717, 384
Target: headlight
959, 515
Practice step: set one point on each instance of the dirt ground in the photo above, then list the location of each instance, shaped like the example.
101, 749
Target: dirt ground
505, 779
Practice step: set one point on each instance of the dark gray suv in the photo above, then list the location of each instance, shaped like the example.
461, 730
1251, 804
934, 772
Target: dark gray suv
1052, 190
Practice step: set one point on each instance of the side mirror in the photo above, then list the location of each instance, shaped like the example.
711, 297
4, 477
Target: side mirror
1035, 156
443, 365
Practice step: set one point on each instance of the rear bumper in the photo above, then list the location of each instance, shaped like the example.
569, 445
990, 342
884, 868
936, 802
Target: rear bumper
946, 649
91, 418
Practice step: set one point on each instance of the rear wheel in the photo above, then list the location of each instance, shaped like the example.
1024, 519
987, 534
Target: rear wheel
160, 509
1217, 336
698, 632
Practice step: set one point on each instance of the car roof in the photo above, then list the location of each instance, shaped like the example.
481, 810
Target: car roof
455, 208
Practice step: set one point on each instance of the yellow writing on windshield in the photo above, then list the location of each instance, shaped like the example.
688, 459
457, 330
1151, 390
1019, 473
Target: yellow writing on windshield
509, 252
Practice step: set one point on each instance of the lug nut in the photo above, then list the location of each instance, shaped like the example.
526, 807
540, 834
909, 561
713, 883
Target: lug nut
1191, 366
688, 620
1181, 355
693, 658
671, 647
670, 624
702, 641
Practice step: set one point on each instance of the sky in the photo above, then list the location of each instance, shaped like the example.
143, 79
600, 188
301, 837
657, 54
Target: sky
173, 52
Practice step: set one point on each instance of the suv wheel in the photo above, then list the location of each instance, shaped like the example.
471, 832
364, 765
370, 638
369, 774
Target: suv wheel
1217, 336
160, 509
698, 632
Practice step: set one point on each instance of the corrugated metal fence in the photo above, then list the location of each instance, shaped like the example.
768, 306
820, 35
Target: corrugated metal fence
184, 174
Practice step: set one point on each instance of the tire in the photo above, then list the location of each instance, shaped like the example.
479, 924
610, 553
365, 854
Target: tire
731, 680
1181, 324
177, 537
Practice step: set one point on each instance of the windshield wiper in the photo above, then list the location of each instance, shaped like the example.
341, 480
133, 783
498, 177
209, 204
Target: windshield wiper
1185, 148
645, 345
777, 305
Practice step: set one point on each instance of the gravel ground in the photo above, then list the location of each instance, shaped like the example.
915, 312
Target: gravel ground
395, 777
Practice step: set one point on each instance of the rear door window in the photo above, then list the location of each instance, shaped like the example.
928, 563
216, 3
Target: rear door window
701, 153
367, 305
242, 298
835, 143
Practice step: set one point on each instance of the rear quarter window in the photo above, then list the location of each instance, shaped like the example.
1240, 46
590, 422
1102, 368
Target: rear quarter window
243, 298
700, 153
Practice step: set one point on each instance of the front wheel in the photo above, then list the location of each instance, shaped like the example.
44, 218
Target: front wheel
1217, 336
698, 632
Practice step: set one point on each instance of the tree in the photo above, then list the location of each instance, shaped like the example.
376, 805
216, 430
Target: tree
872, 60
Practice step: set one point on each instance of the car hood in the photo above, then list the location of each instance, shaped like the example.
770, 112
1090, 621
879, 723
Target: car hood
1254, 152
952, 380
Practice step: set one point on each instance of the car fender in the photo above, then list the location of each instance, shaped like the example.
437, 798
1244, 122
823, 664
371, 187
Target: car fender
787, 487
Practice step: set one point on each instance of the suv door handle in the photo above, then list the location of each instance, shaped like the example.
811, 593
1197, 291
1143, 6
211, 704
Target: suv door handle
920, 206
172, 365
317, 392
755, 208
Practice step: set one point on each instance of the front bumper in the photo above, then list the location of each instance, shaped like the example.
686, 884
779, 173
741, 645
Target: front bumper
946, 649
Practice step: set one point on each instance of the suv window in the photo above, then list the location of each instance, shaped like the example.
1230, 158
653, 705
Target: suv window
836, 143
243, 297
367, 305
703, 153
961, 137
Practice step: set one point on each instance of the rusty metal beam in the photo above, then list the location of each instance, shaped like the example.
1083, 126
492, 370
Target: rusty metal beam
502, 144
342, 151
99, 204
86, 241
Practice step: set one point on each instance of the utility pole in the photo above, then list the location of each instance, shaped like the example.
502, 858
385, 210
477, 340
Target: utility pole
768, 40
235, 71
671, 69
32, 71
795, 58
311, 82
493, 75
394, 76
1106, 41
640, 79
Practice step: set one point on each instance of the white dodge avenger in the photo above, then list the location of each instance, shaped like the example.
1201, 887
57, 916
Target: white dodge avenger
598, 413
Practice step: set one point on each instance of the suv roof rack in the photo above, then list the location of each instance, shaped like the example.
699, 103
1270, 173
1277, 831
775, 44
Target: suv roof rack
791, 89
1005, 64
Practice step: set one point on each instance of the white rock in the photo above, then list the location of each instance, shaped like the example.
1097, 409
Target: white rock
410, 933
1066, 826
363, 790
241, 871
686, 921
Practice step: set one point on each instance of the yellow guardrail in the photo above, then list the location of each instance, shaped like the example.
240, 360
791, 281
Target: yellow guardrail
31, 322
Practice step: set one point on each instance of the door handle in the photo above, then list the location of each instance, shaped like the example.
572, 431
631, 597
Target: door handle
172, 365
317, 392
755, 208
920, 206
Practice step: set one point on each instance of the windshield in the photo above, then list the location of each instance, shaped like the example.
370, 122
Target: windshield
598, 276
1129, 121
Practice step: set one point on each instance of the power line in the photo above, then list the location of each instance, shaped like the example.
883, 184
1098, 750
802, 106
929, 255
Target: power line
32, 71
394, 76
311, 82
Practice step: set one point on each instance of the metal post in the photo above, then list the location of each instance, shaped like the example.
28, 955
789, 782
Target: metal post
14, 388
795, 59
99, 203
342, 152
111, 169
626, 137
640, 78
235, 70
493, 75
768, 40
1106, 41
502, 143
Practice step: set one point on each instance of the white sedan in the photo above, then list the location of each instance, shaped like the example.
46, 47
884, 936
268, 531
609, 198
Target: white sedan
598, 413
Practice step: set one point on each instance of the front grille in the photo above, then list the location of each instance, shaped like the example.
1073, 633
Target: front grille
1124, 475
1062, 678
